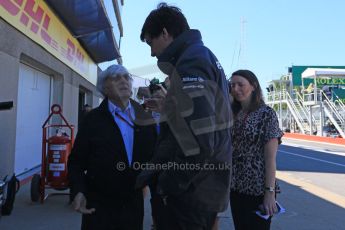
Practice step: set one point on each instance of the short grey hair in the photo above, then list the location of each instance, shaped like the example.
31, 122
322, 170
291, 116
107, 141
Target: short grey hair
112, 71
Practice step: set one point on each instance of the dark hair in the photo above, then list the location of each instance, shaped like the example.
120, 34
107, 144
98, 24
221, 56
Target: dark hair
168, 17
256, 97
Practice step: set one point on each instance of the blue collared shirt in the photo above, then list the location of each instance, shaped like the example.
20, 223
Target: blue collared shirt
156, 116
127, 130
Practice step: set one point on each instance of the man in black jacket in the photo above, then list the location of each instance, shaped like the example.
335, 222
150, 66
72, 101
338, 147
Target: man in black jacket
107, 153
194, 142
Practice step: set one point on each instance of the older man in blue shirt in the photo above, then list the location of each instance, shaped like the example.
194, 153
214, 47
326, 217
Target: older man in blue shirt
101, 166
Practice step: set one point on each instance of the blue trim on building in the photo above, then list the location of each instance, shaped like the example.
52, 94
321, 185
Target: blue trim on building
87, 20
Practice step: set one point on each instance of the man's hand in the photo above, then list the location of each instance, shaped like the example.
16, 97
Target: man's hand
79, 204
156, 102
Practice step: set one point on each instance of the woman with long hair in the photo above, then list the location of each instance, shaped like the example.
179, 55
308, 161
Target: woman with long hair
256, 136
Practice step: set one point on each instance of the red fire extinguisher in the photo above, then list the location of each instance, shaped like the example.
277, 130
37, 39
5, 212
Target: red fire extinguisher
59, 147
55, 152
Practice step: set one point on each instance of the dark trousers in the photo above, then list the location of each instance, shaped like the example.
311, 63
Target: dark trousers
171, 214
243, 209
120, 215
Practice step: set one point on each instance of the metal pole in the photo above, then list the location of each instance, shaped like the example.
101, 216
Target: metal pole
315, 90
280, 107
311, 120
322, 119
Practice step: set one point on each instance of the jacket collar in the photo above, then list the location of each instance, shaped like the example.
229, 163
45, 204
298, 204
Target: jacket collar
141, 117
104, 106
167, 60
114, 108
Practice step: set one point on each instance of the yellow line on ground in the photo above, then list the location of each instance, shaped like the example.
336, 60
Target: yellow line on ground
313, 189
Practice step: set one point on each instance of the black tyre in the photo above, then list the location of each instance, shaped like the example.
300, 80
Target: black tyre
35, 187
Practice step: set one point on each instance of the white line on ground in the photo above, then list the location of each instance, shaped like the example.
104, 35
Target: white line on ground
312, 158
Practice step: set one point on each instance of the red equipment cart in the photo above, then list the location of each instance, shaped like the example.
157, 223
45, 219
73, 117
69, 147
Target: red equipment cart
55, 152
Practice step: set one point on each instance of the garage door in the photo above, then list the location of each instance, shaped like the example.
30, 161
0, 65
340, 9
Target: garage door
33, 108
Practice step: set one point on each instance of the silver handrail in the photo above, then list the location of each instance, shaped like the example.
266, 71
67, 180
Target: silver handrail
305, 109
332, 107
294, 107
339, 101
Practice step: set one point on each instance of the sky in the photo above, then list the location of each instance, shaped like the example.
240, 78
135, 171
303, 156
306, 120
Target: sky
265, 36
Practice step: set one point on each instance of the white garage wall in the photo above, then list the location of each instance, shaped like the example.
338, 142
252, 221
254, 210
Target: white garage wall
33, 109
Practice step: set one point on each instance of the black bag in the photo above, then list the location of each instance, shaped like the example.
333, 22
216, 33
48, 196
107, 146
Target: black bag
10, 188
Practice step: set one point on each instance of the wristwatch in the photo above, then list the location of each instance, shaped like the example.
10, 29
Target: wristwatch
270, 189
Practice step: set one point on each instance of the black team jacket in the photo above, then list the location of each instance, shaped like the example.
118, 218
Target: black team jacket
195, 142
